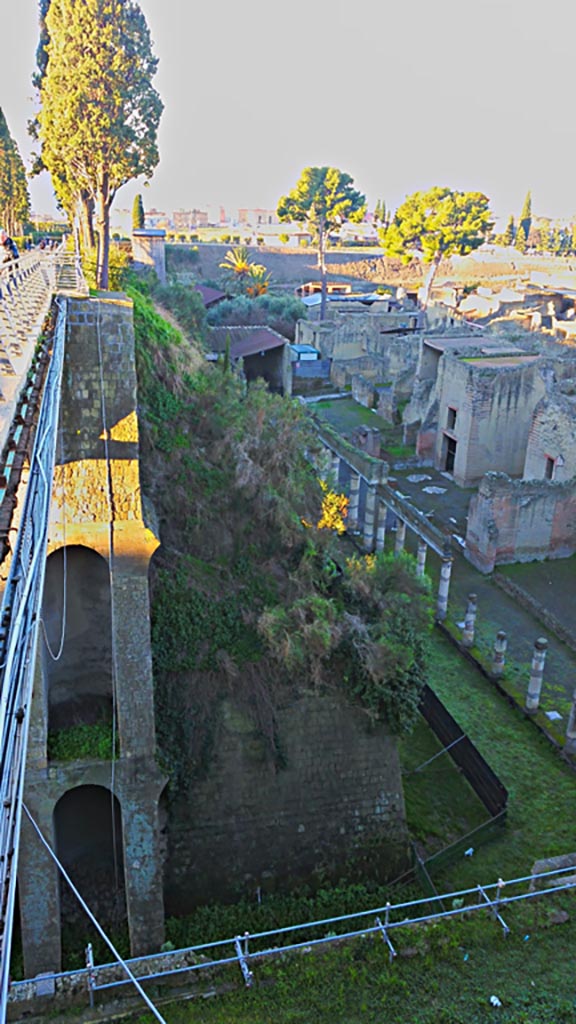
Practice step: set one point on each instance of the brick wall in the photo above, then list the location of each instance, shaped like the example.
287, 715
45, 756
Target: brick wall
520, 520
337, 800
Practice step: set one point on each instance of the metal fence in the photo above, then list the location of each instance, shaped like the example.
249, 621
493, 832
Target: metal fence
459, 746
246, 950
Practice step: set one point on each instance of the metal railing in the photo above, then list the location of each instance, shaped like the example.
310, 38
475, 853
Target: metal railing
19, 617
250, 948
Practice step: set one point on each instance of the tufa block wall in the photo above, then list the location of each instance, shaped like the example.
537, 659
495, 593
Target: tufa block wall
337, 801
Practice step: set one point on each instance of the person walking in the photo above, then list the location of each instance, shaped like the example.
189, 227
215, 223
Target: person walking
9, 246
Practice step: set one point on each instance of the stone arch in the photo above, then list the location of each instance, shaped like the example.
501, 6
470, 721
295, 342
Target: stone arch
79, 684
88, 837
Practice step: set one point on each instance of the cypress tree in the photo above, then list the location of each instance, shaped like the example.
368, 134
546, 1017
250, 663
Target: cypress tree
525, 221
521, 238
510, 232
100, 113
14, 199
138, 213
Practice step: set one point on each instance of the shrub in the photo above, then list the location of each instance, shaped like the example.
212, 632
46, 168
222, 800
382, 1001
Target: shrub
280, 312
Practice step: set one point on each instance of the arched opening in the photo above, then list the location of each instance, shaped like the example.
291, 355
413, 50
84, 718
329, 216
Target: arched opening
80, 682
88, 831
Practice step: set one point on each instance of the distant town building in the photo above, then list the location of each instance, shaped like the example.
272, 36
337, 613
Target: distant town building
156, 219
257, 217
185, 220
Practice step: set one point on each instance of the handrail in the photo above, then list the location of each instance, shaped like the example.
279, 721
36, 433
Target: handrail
19, 617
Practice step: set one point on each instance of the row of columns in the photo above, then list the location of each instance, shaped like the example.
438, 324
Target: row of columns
534, 690
373, 530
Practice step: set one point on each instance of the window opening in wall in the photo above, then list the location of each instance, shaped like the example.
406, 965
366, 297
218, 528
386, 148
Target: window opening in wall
450, 454
549, 468
451, 418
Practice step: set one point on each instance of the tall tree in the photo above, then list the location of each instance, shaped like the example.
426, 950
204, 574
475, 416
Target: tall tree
99, 113
14, 199
521, 240
525, 221
244, 276
510, 232
138, 219
437, 223
324, 198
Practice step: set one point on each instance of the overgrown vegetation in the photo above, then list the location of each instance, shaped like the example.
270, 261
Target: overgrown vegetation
252, 599
280, 312
80, 742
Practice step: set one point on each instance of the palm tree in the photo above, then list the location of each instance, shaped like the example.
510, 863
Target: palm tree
246, 277
258, 282
237, 265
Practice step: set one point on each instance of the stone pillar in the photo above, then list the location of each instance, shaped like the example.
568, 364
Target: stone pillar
400, 537
470, 621
421, 558
142, 868
369, 518
38, 891
570, 745
335, 468
149, 250
133, 655
354, 500
536, 674
444, 587
381, 530
499, 655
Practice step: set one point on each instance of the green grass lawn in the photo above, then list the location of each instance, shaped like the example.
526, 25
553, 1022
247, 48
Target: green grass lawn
445, 972
552, 583
344, 415
441, 806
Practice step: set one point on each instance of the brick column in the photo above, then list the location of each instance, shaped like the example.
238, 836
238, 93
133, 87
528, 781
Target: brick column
400, 537
370, 518
470, 621
444, 588
421, 558
354, 500
381, 530
536, 674
499, 654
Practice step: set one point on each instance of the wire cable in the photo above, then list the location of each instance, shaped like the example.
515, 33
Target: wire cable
87, 910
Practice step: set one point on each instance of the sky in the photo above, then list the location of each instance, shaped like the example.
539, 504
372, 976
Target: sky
472, 94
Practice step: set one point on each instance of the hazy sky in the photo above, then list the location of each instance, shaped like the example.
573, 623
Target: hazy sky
474, 94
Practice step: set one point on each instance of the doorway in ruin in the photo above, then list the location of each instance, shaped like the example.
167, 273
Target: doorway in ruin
80, 681
88, 834
450, 454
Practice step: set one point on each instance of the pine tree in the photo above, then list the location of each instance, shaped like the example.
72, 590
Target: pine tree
437, 223
14, 199
323, 198
138, 220
100, 113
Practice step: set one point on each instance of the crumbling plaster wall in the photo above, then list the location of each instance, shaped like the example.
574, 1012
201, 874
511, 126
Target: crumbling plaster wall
552, 436
520, 520
493, 416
